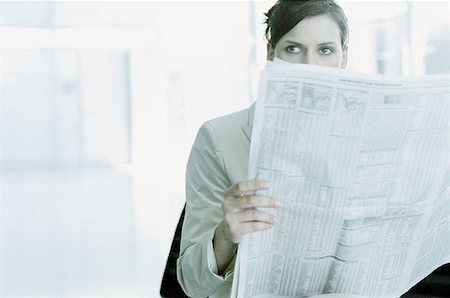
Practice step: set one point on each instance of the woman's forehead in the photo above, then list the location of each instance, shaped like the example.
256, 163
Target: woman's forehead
315, 29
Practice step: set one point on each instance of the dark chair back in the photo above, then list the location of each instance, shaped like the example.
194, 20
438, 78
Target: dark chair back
437, 284
169, 285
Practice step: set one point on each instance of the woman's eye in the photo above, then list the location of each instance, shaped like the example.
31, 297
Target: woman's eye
293, 49
326, 51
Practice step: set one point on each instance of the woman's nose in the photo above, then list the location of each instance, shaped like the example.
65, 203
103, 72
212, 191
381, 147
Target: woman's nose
310, 58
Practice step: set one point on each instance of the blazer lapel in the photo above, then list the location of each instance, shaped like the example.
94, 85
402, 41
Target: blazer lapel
248, 127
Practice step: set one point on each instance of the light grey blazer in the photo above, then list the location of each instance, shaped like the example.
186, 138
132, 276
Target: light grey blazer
218, 159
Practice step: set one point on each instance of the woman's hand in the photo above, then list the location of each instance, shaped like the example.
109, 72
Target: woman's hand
241, 216
240, 212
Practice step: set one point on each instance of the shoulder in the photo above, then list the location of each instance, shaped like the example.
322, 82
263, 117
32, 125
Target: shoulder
229, 124
233, 119
226, 140
220, 133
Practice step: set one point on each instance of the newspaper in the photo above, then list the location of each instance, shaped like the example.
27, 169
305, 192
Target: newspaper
360, 165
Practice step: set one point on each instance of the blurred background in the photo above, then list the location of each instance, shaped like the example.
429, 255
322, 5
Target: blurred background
100, 103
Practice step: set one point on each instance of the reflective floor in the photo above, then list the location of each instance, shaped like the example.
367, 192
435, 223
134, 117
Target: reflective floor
79, 233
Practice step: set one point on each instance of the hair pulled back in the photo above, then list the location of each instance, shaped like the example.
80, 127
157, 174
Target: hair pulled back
286, 14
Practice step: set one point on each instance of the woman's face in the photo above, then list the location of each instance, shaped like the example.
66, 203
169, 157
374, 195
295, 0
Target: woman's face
315, 40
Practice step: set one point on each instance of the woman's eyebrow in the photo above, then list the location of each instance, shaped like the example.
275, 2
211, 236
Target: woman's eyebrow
294, 42
320, 44
327, 43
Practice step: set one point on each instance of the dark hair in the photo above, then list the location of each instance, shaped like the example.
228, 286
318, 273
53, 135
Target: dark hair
285, 14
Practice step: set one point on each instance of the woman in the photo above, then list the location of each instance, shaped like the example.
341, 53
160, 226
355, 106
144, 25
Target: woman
220, 207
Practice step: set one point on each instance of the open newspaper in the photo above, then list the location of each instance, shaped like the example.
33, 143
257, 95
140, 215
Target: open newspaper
360, 165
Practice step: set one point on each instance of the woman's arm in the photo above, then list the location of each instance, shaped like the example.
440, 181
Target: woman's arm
206, 181
217, 215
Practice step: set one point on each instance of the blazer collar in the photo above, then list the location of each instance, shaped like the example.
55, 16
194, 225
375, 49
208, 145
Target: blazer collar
248, 127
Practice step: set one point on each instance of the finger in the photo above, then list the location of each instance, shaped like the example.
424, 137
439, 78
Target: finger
247, 186
253, 226
254, 215
255, 201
